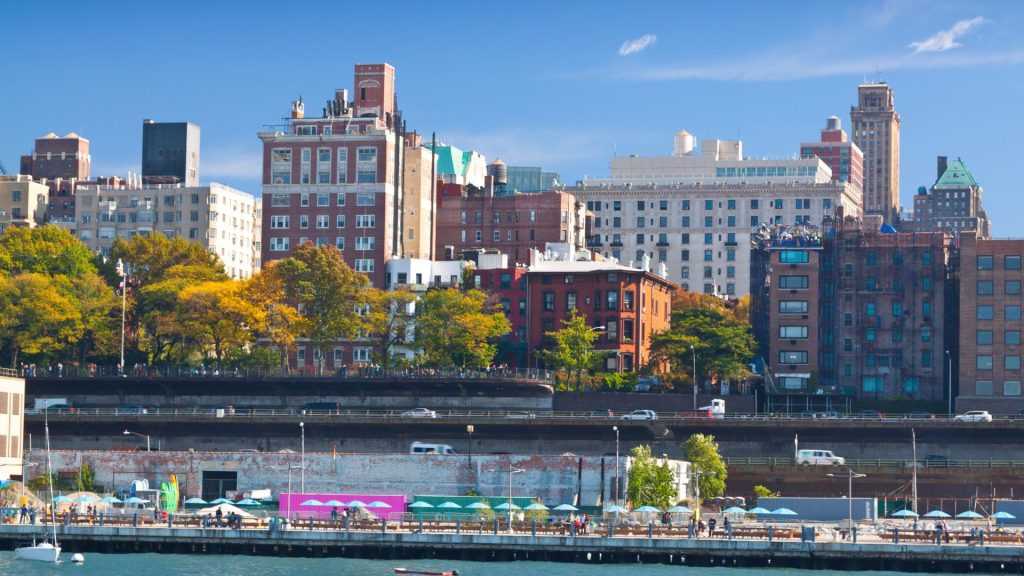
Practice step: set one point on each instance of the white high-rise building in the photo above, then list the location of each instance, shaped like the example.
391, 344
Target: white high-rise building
695, 213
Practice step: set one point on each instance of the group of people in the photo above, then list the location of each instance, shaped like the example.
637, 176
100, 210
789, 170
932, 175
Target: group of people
699, 527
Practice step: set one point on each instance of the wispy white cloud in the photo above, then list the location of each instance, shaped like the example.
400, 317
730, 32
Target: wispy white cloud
946, 39
800, 65
637, 45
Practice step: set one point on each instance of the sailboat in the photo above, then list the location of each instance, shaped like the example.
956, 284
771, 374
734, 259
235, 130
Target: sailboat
44, 551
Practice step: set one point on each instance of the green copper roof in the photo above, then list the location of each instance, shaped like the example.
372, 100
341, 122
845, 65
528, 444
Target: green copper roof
451, 160
957, 175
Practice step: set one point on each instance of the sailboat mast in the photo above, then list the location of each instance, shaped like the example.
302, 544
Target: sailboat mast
49, 476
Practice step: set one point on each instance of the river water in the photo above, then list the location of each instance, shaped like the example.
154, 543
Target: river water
217, 565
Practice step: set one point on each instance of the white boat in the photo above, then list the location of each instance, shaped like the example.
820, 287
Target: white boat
44, 551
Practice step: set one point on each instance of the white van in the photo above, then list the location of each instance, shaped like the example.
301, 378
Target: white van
424, 448
819, 458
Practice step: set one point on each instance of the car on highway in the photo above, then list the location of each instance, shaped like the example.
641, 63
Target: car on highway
920, 416
936, 460
973, 416
520, 415
419, 413
641, 415
870, 415
131, 409
819, 458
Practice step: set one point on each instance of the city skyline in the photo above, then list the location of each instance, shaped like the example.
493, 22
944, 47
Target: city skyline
542, 97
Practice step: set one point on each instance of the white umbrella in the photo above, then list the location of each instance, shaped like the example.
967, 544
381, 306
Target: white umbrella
732, 510
310, 502
116, 500
225, 510
378, 504
357, 504
336, 503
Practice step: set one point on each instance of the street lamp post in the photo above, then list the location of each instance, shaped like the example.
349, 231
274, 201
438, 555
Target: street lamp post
290, 468
850, 475
694, 351
302, 465
122, 272
146, 436
949, 384
469, 432
616, 429
511, 471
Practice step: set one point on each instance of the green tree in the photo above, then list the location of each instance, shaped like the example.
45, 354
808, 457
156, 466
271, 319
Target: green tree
763, 492
219, 314
649, 482
701, 451
703, 324
390, 321
330, 295
38, 317
96, 303
160, 332
458, 329
85, 478
573, 349
152, 258
281, 322
47, 250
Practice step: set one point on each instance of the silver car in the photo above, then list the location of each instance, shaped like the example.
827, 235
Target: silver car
974, 416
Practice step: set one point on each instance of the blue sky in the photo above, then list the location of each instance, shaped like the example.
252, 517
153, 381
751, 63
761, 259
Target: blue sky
563, 85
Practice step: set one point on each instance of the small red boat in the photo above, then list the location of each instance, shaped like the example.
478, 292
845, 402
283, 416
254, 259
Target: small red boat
426, 572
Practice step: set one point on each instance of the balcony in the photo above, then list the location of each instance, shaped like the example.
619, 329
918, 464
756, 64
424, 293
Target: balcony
594, 243
616, 244
731, 243
663, 244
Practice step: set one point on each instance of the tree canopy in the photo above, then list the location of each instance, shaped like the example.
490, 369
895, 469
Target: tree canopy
649, 482
701, 451
46, 250
573, 349
458, 329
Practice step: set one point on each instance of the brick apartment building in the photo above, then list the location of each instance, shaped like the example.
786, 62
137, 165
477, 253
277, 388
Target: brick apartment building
64, 162
337, 179
990, 324
626, 305
469, 219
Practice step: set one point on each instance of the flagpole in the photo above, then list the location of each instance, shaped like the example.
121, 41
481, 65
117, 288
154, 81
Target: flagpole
124, 292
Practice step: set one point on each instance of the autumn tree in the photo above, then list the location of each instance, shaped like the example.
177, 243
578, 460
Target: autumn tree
458, 328
38, 317
330, 296
649, 482
280, 322
96, 303
160, 332
701, 451
389, 321
219, 314
573, 349
47, 250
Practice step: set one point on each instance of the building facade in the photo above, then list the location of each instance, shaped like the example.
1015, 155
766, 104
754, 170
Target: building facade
170, 153
530, 179
876, 130
12, 424
418, 209
953, 204
59, 162
469, 220
224, 220
842, 156
23, 202
337, 179
695, 213
990, 323
625, 305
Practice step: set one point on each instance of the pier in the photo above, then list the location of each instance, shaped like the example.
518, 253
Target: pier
637, 546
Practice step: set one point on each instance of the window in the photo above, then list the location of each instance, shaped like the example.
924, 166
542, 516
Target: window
366, 199
549, 301
897, 309
278, 244
869, 308
365, 242
280, 200
323, 199
1011, 388
280, 221
793, 357
926, 358
707, 255
873, 384
1012, 288
627, 330
983, 337
613, 300
793, 282
364, 265
366, 221
366, 176
366, 154
339, 221
985, 313
792, 332
794, 257
1011, 262
627, 300
685, 223
611, 330
984, 287
984, 262
342, 166
1012, 313
983, 388
339, 242
870, 335
1011, 337
983, 362
926, 334
304, 221
1011, 363
323, 221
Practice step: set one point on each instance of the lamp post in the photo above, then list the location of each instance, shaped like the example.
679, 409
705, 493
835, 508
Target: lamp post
949, 384
616, 429
146, 436
469, 432
302, 466
122, 272
511, 471
694, 351
290, 468
850, 475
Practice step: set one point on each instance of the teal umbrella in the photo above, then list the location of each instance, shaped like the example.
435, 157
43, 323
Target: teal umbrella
506, 506
247, 502
647, 509
904, 514
1003, 516
615, 508
449, 505
970, 515
784, 512
310, 502
537, 506
566, 508
336, 503
61, 499
116, 500
478, 506
357, 504
732, 510
85, 499
937, 514
421, 504
221, 501
378, 504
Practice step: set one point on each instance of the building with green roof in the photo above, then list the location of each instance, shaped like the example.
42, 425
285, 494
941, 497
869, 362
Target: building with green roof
953, 204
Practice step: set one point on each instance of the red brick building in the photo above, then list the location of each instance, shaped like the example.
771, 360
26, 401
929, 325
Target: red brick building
625, 305
840, 154
337, 179
509, 286
467, 219
990, 328
64, 162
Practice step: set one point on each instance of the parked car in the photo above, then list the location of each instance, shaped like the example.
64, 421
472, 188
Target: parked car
419, 413
920, 416
641, 415
827, 415
974, 416
131, 409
